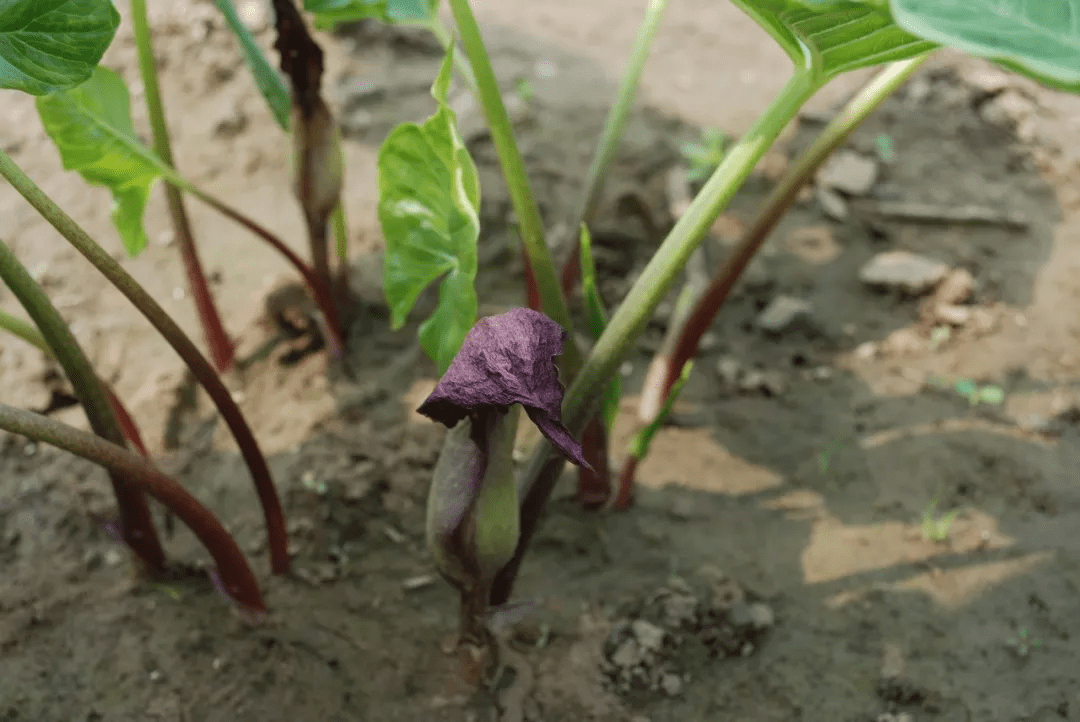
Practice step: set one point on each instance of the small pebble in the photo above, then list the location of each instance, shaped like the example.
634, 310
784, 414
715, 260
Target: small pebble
418, 582
849, 172
649, 636
729, 370
671, 684
782, 313
903, 271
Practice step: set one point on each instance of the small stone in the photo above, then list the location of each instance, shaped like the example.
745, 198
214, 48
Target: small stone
989, 80
832, 204
649, 636
956, 287
769, 382
903, 271
628, 655
710, 341
418, 582
113, 557
866, 350
1007, 109
783, 313
952, 315
849, 172
813, 244
671, 684
761, 616
156, 676
904, 341
729, 370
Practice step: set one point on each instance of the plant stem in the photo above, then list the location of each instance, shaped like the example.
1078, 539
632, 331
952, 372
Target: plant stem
319, 291
436, 27
188, 351
528, 214
137, 526
341, 236
236, 575
609, 138
776, 204
539, 477
28, 333
221, 347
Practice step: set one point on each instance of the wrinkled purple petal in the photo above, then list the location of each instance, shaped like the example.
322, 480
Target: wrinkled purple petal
508, 359
559, 436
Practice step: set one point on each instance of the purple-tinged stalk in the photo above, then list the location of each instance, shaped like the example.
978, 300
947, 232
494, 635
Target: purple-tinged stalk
774, 207
318, 166
181, 343
237, 579
28, 333
221, 347
506, 361
136, 524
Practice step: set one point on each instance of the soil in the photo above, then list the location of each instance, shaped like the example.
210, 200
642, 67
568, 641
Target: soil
784, 558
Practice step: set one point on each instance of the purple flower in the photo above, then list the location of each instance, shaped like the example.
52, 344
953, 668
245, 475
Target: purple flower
505, 360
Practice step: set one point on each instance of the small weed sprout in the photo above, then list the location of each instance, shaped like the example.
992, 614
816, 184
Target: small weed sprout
936, 527
705, 156
1022, 643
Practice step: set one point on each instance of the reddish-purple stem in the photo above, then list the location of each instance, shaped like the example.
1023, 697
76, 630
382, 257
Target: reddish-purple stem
236, 575
127, 423
319, 291
594, 485
221, 346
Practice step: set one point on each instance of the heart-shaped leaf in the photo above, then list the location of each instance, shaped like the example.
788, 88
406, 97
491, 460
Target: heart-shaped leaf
91, 126
1040, 38
268, 81
429, 200
329, 12
829, 37
50, 45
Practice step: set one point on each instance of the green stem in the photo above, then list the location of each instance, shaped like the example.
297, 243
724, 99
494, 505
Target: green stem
609, 138
236, 575
528, 214
656, 280
436, 27
221, 348
341, 235
137, 526
776, 204
188, 351
539, 477
28, 333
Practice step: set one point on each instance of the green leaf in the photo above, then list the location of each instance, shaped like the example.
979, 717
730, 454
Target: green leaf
429, 200
829, 37
269, 82
91, 127
51, 45
1039, 38
329, 12
597, 316
639, 445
